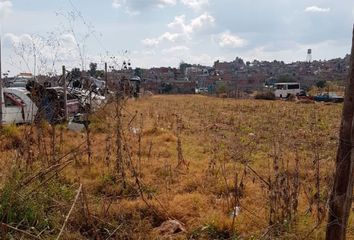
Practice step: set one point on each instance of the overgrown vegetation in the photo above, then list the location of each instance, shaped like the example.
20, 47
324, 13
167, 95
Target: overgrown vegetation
225, 169
265, 95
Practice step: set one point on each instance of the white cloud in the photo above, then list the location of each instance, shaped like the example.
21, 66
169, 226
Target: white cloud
10, 37
49, 52
178, 23
5, 8
202, 21
68, 40
18, 39
64, 41
167, 3
195, 4
176, 49
134, 7
150, 42
182, 29
316, 9
123, 4
117, 3
199, 23
167, 36
172, 37
297, 52
203, 59
148, 52
229, 40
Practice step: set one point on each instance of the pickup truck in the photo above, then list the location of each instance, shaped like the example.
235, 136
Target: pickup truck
329, 97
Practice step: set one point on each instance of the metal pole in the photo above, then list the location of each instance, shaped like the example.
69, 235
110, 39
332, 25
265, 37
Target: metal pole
65, 95
1, 91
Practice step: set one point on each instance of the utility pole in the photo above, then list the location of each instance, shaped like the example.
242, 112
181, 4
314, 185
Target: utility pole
106, 77
342, 191
34, 61
1, 91
65, 95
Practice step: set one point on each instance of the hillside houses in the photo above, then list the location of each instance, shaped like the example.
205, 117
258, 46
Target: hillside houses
226, 77
238, 75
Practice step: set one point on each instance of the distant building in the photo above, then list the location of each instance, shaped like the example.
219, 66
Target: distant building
25, 75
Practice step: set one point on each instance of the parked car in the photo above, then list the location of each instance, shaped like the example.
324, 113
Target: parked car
17, 106
201, 90
329, 97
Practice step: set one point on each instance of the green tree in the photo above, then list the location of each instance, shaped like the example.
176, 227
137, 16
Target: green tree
76, 73
93, 69
221, 88
138, 72
99, 73
321, 84
94, 72
285, 78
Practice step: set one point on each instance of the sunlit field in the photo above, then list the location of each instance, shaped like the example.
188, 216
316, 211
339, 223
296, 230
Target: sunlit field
223, 168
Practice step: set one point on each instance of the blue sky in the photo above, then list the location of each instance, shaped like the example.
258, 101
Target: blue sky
165, 32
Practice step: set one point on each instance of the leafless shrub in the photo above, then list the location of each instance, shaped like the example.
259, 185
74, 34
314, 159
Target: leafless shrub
180, 158
108, 148
120, 163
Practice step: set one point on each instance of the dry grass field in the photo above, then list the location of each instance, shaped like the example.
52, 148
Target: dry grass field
194, 159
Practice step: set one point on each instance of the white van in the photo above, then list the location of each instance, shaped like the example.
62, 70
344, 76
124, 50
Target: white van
283, 90
17, 106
